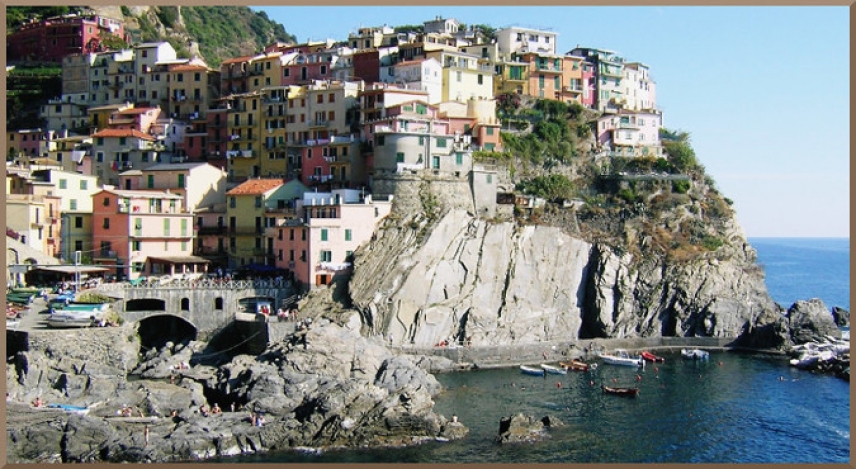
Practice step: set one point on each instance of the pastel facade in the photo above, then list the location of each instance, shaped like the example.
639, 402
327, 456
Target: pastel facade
51, 39
640, 91
143, 233
420, 74
118, 150
522, 40
335, 225
631, 134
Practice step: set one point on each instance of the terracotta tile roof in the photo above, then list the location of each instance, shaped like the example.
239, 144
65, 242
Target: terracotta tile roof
123, 133
187, 68
137, 110
236, 60
256, 187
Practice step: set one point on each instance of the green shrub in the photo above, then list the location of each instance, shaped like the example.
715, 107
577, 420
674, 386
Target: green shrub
92, 298
680, 186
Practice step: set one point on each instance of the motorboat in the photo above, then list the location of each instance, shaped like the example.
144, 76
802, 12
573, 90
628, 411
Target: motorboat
577, 365
554, 370
528, 370
621, 357
695, 354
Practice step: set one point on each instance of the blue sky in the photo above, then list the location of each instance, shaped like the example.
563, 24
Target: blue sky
763, 91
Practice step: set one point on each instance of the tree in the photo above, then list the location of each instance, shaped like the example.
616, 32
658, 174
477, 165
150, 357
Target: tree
554, 187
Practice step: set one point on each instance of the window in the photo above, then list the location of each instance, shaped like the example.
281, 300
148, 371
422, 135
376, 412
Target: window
78, 222
421, 140
183, 227
185, 304
258, 202
331, 98
348, 234
489, 178
196, 76
441, 142
78, 245
232, 202
63, 184
106, 202
72, 204
459, 158
541, 81
379, 140
323, 70
458, 76
166, 226
490, 130
323, 234
150, 181
399, 157
435, 162
83, 185
480, 79
136, 245
326, 256
320, 98
106, 224
181, 181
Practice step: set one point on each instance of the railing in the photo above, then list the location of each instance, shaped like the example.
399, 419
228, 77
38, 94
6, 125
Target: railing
172, 283
210, 230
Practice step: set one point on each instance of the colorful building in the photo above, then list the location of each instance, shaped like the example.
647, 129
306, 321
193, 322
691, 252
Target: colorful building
53, 38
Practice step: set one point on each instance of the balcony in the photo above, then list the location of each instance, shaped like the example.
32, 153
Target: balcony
572, 89
239, 153
106, 254
549, 69
210, 230
209, 251
320, 123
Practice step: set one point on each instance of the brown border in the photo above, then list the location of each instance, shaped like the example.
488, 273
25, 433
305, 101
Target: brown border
445, 3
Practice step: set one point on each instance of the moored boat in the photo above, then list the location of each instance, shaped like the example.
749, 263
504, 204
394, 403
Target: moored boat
65, 318
528, 370
576, 365
626, 392
695, 354
621, 357
554, 370
648, 356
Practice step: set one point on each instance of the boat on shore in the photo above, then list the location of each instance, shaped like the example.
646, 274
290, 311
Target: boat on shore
528, 370
621, 357
576, 365
626, 392
554, 370
69, 319
695, 354
648, 356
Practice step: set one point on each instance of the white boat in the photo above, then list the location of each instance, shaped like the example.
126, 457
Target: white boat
554, 370
64, 318
695, 354
621, 357
528, 370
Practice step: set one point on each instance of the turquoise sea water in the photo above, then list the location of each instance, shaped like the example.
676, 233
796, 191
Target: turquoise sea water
735, 408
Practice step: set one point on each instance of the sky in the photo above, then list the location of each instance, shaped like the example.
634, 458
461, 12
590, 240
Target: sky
763, 91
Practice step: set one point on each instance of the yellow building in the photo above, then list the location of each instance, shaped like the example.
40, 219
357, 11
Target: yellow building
464, 77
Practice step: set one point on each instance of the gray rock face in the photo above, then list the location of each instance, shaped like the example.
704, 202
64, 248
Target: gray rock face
841, 316
327, 387
490, 283
811, 321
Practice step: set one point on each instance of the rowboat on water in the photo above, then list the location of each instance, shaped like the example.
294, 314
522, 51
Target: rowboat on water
648, 356
528, 370
554, 370
576, 365
626, 392
621, 357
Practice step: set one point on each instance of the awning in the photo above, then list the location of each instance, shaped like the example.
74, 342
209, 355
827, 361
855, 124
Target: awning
179, 259
71, 269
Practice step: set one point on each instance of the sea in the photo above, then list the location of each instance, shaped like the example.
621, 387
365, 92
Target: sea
733, 408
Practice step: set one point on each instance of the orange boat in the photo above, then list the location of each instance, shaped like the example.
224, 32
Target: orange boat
576, 365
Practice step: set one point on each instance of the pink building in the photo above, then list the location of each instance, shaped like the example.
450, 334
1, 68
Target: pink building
52, 39
138, 118
143, 233
334, 225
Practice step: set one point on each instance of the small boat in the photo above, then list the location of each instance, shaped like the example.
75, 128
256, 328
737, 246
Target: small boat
695, 354
576, 365
554, 370
75, 409
626, 392
67, 319
621, 357
528, 370
646, 355
89, 307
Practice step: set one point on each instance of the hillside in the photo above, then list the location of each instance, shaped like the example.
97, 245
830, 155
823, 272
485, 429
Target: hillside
214, 33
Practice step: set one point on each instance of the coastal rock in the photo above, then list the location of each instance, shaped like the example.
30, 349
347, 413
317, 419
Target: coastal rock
487, 282
810, 321
399, 372
841, 316
522, 428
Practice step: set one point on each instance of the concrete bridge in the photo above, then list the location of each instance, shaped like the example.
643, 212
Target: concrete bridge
206, 305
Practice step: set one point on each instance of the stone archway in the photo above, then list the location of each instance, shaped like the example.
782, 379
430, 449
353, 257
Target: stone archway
156, 330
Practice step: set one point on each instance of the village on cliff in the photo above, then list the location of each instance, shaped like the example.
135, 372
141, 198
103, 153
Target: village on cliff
149, 165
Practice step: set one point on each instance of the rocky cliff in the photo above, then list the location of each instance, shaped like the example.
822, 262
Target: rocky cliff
428, 279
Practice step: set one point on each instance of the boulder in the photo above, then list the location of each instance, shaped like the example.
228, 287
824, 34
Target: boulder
522, 428
841, 316
399, 372
811, 321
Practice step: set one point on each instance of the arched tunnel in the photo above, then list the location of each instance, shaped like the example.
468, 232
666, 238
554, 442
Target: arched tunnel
156, 331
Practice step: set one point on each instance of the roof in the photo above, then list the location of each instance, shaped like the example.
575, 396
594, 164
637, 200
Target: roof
115, 133
137, 110
143, 194
237, 60
188, 68
180, 259
175, 166
131, 172
110, 107
256, 187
